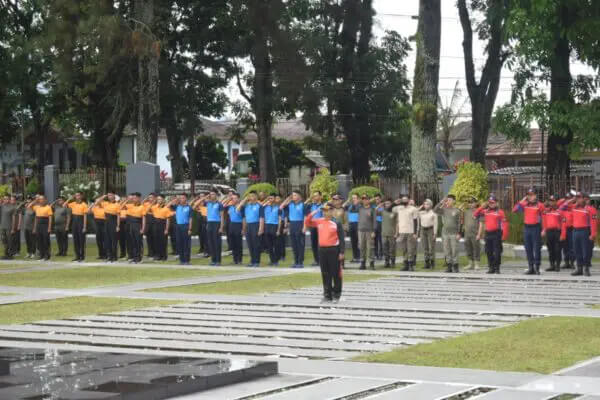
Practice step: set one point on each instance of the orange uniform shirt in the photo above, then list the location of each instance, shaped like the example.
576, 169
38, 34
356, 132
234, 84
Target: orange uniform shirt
136, 211
78, 208
163, 213
98, 213
42, 211
111, 208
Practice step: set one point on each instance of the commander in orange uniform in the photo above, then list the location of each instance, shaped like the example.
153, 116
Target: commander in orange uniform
112, 211
136, 213
331, 251
79, 210
99, 222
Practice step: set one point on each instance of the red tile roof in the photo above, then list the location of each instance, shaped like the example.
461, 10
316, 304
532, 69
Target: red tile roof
531, 147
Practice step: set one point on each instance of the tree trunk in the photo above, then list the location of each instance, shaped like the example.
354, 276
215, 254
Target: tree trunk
148, 86
174, 141
558, 160
191, 151
483, 94
425, 96
263, 102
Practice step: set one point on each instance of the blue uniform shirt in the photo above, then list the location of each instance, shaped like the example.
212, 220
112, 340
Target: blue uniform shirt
379, 217
295, 212
271, 214
252, 213
182, 214
213, 211
316, 206
234, 215
352, 213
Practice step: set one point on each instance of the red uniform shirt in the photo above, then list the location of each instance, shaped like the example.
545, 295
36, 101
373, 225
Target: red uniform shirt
494, 220
554, 219
532, 212
327, 231
568, 214
585, 217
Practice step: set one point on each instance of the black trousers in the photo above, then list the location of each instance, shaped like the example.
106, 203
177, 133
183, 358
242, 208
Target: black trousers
280, 243
30, 241
135, 226
62, 241
314, 243
331, 272
173, 236
493, 248
253, 242
353, 231
122, 237
270, 238
100, 229
129, 238
235, 235
7, 242
160, 238
214, 241
553, 245
16, 243
78, 237
43, 237
110, 237
298, 241
567, 247
150, 236
184, 242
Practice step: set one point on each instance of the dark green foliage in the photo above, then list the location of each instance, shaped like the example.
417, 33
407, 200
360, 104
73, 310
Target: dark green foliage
210, 157
261, 187
368, 190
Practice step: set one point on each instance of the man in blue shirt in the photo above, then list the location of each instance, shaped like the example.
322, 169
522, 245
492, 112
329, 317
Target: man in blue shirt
235, 227
295, 210
214, 225
314, 204
281, 239
379, 220
351, 206
183, 227
272, 215
253, 226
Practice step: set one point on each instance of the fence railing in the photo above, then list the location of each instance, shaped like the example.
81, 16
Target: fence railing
110, 179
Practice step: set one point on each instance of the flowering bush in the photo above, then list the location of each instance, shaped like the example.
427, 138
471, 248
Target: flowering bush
90, 190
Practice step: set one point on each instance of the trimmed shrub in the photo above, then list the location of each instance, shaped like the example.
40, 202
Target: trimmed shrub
516, 227
324, 183
368, 190
472, 181
33, 187
5, 190
261, 187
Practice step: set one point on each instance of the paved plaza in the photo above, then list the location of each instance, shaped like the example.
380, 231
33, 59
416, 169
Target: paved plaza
315, 343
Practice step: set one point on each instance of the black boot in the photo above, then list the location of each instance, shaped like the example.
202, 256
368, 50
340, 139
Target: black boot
448, 267
455, 267
362, 265
393, 265
412, 264
552, 267
586, 271
491, 269
372, 265
537, 269
578, 271
530, 270
406, 268
557, 266
387, 263
497, 269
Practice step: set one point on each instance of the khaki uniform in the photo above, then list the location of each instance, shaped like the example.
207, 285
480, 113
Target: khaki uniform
451, 217
471, 227
428, 222
407, 229
389, 223
366, 227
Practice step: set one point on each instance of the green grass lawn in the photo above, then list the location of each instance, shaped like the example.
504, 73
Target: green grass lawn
84, 277
541, 345
70, 307
263, 285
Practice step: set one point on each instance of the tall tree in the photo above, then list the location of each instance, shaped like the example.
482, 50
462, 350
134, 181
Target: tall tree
448, 116
425, 94
148, 105
483, 93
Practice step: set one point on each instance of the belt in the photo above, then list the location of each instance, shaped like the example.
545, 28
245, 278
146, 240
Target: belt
427, 227
42, 218
532, 225
582, 228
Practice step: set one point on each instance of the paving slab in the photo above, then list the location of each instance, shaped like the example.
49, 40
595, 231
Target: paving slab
330, 389
422, 391
512, 394
564, 384
589, 369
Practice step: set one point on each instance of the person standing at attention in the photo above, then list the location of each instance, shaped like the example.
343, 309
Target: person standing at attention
378, 241
407, 232
8, 225
253, 226
295, 211
471, 228
42, 226
428, 224
136, 214
331, 248
79, 210
554, 229
389, 227
235, 227
367, 221
272, 223
451, 217
314, 204
162, 219
183, 227
496, 230
532, 210
99, 221
351, 207
62, 218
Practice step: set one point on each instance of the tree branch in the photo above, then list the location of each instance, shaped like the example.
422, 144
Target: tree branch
240, 87
465, 22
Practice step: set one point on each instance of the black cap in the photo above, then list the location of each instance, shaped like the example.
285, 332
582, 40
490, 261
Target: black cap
492, 198
531, 190
451, 196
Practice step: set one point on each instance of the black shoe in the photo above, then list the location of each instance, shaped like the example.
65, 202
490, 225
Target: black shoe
372, 265
362, 266
491, 270
448, 267
387, 263
326, 299
530, 271
393, 263
557, 267
586, 271
412, 265
76, 259
406, 266
537, 269
551, 268
577, 272
455, 268
497, 270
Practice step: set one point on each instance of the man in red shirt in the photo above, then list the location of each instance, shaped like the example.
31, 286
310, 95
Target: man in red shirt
496, 230
567, 244
331, 251
594, 213
584, 231
554, 230
532, 211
